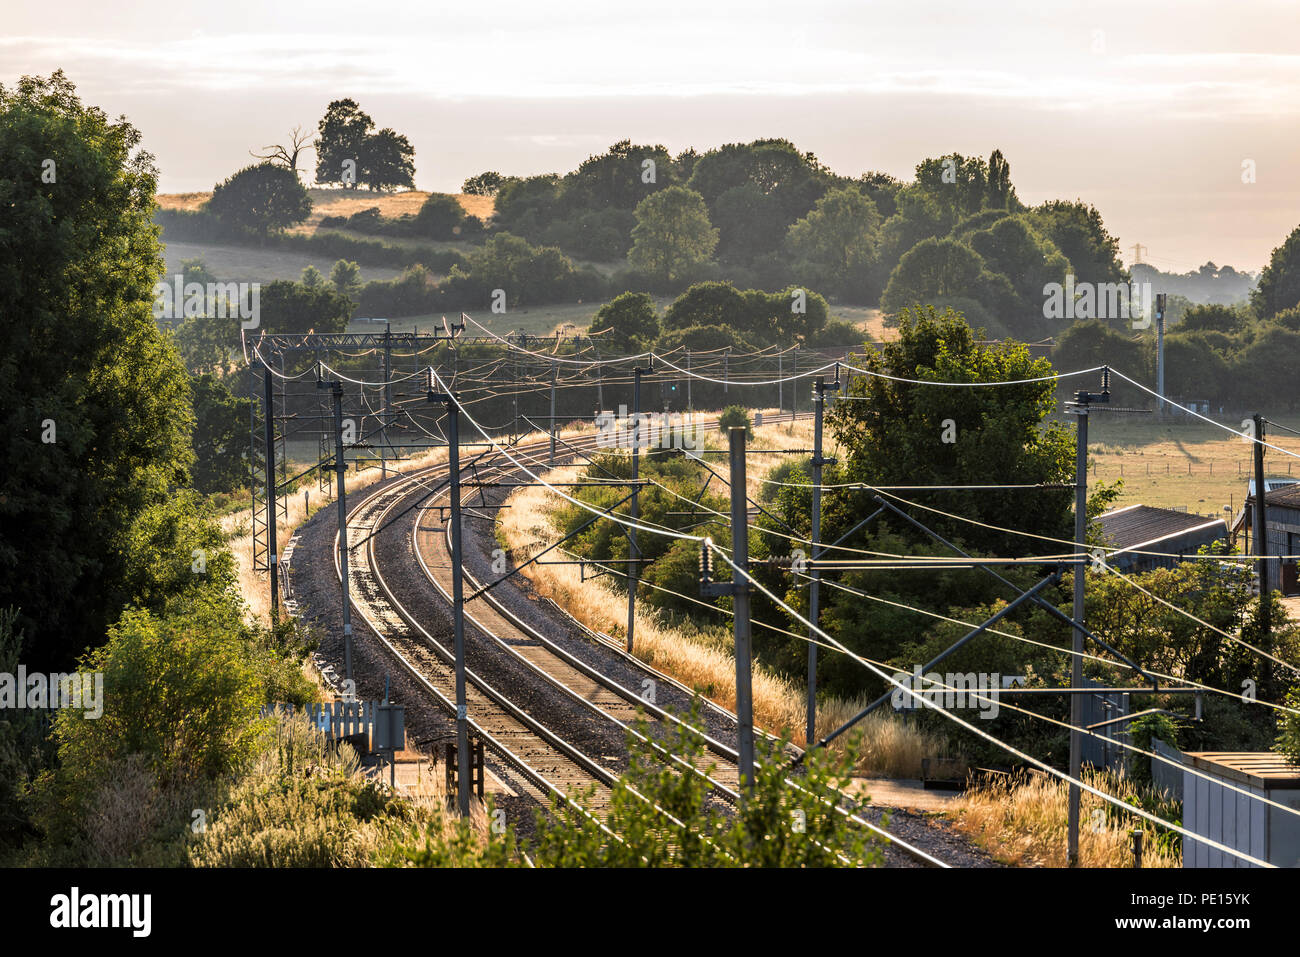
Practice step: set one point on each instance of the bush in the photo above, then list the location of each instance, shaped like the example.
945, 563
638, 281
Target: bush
735, 417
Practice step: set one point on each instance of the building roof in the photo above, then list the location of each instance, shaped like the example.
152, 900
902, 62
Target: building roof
1261, 769
1141, 526
1288, 496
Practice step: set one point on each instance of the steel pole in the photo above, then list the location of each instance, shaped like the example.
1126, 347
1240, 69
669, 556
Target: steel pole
814, 591
740, 600
340, 468
1258, 522
633, 552
1076, 662
554, 370
458, 610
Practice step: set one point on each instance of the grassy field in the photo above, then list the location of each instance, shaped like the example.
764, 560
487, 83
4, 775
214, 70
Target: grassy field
1184, 463
253, 264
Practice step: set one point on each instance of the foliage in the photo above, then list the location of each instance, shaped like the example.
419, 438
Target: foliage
386, 162
900, 433
735, 417
78, 260
672, 238
663, 817
343, 132
629, 322
1279, 283
346, 279
297, 308
838, 242
440, 217
484, 184
220, 437
261, 199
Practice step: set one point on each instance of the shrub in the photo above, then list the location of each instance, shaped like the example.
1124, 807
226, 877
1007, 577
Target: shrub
735, 417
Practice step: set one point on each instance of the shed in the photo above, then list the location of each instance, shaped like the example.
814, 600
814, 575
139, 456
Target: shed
1282, 527
1238, 820
1137, 529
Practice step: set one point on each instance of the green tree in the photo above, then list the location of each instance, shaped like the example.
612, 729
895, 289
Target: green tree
346, 278
1279, 283
1079, 233
94, 402
387, 162
629, 321
297, 308
905, 434
619, 178
261, 199
484, 184
735, 417
707, 304
937, 271
1030, 261
1212, 317
440, 217
838, 241
673, 237
220, 437
343, 131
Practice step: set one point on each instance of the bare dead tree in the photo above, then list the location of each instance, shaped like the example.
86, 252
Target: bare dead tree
287, 157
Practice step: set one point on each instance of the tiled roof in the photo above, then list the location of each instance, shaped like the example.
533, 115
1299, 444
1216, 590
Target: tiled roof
1138, 525
1288, 496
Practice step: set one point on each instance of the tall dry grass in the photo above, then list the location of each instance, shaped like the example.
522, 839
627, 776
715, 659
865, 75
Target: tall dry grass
699, 655
1025, 825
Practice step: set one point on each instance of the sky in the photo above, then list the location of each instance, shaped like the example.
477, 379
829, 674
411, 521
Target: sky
1154, 112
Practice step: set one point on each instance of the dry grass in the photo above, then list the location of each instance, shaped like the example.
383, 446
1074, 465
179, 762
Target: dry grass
339, 202
699, 655
1026, 825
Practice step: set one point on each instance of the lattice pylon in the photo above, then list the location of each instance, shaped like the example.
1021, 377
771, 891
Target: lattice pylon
257, 465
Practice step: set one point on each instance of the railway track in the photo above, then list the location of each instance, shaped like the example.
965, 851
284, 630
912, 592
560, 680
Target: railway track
553, 765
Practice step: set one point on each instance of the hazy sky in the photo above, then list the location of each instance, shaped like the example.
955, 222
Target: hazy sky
1146, 109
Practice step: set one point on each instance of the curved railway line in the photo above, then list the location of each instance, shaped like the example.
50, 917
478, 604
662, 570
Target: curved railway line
520, 683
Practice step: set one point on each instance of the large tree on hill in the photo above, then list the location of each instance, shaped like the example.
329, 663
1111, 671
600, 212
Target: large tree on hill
672, 237
261, 199
343, 131
387, 162
484, 184
1279, 283
94, 403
